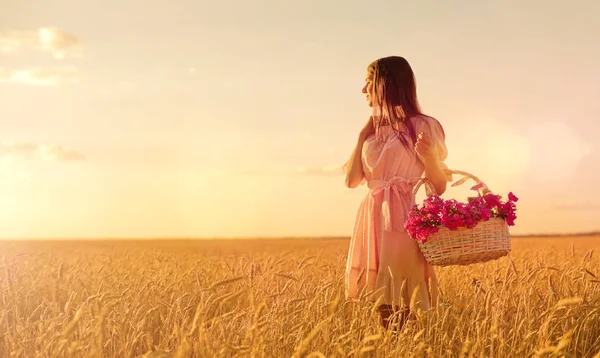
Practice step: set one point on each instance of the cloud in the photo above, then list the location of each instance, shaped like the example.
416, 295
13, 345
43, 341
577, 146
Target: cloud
47, 39
41, 76
252, 172
325, 171
56, 41
121, 88
38, 152
9, 45
333, 170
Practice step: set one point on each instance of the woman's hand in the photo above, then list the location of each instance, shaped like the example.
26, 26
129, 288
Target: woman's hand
424, 148
368, 129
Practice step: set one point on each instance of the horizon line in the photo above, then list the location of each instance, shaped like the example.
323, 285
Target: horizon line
283, 237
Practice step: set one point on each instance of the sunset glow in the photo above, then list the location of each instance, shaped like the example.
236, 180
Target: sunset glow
199, 119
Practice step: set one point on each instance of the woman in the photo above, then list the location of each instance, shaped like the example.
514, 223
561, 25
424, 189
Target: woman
397, 146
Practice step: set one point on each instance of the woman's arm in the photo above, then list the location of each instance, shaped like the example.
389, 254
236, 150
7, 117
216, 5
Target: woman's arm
354, 168
433, 171
435, 174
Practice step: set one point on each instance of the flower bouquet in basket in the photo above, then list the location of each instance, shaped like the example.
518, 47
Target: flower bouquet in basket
450, 232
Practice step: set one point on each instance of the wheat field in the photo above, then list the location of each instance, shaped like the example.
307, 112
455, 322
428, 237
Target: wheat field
284, 298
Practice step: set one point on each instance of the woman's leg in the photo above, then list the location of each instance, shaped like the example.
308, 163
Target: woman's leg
389, 315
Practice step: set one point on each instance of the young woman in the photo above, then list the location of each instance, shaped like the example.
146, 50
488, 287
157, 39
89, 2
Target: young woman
397, 146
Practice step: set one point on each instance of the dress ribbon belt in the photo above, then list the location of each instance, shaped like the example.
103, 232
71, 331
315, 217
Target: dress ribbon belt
398, 187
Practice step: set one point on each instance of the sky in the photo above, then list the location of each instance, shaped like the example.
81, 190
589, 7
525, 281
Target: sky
201, 118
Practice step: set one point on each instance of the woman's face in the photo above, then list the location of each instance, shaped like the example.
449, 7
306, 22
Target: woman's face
368, 88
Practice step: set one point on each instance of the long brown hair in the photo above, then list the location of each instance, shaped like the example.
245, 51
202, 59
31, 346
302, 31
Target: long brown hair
395, 96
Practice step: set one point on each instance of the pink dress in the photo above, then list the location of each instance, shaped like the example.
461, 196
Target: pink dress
382, 258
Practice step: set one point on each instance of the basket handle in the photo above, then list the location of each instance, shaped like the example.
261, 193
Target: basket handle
483, 190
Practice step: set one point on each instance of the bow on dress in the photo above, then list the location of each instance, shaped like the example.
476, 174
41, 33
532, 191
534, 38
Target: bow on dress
399, 187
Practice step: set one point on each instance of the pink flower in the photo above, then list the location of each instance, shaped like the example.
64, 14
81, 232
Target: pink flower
491, 200
435, 213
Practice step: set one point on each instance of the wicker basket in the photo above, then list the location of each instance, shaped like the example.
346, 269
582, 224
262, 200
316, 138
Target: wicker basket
488, 240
